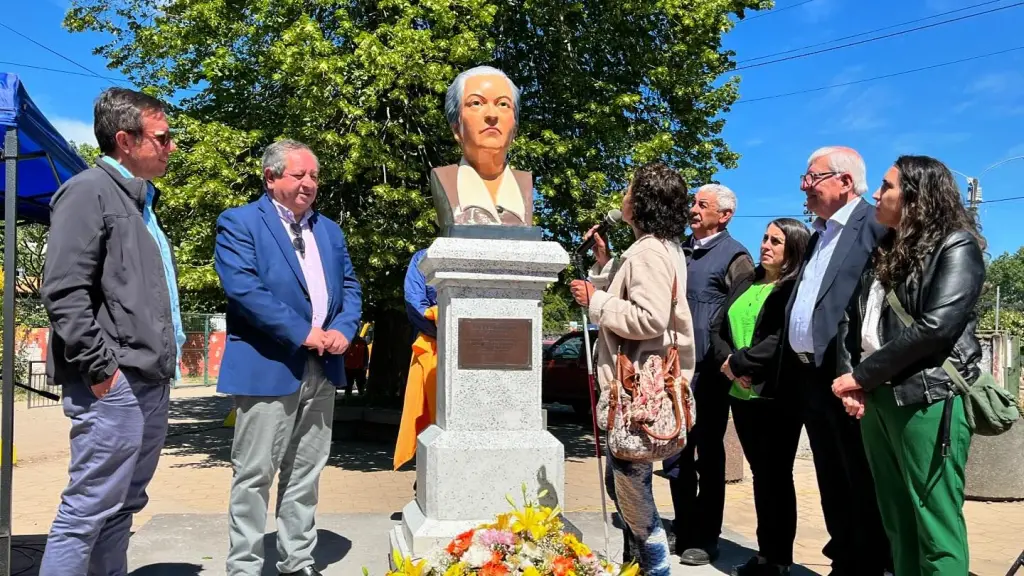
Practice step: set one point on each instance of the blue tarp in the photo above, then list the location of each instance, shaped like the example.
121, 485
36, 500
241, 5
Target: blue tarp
45, 159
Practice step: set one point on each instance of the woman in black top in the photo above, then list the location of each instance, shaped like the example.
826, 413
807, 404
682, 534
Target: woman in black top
745, 340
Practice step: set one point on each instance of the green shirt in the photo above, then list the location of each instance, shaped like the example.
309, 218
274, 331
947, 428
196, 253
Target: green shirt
742, 319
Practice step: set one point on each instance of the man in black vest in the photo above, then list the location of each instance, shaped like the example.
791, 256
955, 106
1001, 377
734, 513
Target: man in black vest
714, 261
845, 235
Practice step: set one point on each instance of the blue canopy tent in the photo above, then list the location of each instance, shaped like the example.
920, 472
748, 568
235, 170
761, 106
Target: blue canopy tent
36, 161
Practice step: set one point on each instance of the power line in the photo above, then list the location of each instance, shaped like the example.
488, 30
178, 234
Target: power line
865, 33
50, 50
877, 38
769, 13
72, 72
91, 74
872, 79
1001, 200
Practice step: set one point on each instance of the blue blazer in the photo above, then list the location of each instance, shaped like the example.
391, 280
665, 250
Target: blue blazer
418, 297
842, 275
269, 313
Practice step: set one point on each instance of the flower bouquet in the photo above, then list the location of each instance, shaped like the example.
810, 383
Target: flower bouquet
524, 542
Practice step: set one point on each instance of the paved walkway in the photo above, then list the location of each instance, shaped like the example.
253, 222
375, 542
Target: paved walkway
194, 478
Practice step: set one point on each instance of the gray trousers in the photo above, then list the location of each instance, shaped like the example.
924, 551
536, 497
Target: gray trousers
115, 446
287, 433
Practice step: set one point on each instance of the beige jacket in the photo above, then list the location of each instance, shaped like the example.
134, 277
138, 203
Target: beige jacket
632, 307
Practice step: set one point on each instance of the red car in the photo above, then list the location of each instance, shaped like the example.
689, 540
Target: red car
564, 373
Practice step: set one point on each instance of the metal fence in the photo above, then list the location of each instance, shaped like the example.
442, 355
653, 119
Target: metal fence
203, 349
200, 359
37, 379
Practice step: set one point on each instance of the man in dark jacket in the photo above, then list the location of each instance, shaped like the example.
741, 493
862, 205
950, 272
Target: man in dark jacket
110, 290
845, 235
715, 260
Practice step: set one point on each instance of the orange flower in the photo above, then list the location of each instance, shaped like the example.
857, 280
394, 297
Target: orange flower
562, 566
460, 544
494, 569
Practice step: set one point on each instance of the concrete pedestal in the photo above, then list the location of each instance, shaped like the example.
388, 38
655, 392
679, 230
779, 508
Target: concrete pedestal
995, 466
489, 438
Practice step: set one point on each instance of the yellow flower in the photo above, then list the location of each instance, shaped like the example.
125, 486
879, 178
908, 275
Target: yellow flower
458, 569
531, 571
532, 521
579, 549
630, 569
503, 523
405, 566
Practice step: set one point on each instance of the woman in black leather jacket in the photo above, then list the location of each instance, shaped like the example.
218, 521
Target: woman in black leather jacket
912, 422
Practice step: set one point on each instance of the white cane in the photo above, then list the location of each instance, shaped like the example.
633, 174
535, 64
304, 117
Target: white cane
593, 416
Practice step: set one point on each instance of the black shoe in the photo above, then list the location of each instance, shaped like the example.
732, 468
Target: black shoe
757, 566
307, 571
698, 556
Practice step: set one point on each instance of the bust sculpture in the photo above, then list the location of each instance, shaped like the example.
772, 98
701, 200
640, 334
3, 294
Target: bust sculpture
482, 108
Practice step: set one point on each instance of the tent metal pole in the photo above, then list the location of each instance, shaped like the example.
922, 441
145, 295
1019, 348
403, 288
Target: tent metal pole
10, 278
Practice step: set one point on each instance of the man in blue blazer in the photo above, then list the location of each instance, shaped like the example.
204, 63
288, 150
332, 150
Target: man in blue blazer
845, 235
293, 308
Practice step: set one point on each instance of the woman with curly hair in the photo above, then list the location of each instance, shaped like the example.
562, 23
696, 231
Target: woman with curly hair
638, 315
912, 420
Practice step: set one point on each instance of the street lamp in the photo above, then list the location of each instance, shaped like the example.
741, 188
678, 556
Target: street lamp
974, 184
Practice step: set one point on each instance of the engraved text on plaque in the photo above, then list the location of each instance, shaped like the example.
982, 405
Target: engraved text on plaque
495, 343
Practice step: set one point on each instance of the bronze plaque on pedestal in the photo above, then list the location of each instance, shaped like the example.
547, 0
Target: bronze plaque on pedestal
495, 343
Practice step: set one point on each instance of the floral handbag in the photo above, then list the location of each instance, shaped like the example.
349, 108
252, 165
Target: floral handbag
650, 409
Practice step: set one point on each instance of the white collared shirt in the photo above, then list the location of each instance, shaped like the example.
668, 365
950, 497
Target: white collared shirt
702, 242
473, 193
801, 333
311, 264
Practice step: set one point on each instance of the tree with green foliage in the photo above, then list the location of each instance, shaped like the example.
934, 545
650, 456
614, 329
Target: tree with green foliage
606, 85
1006, 272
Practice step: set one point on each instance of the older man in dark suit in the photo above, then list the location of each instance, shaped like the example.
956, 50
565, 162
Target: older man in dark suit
845, 235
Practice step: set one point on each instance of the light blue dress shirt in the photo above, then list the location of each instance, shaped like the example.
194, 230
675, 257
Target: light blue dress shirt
149, 217
801, 333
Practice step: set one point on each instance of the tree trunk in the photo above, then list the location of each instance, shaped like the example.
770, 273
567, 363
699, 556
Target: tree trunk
389, 361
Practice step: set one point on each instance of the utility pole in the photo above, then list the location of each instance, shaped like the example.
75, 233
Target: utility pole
973, 194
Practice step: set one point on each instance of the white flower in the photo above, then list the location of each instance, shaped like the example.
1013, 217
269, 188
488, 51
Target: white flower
532, 551
477, 556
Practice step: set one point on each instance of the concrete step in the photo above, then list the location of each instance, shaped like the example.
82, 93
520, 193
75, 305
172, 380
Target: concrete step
196, 544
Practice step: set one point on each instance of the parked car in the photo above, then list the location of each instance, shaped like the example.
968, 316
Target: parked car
564, 373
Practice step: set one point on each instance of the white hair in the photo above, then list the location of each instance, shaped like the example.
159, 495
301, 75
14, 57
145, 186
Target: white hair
846, 160
453, 100
725, 197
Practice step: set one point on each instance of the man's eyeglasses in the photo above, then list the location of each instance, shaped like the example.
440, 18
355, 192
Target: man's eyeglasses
297, 242
811, 178
164, 138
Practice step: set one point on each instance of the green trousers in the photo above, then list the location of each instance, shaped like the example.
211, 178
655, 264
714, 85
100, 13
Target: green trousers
920, 493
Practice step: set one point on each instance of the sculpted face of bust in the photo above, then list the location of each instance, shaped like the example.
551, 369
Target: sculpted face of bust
487, 123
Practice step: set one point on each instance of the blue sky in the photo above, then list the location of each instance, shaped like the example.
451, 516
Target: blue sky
969, 115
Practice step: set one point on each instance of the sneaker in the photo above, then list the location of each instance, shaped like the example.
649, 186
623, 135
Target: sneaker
758, 566
698, 556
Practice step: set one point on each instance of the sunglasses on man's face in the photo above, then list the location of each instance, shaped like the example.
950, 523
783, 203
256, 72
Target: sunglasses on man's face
164, 137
